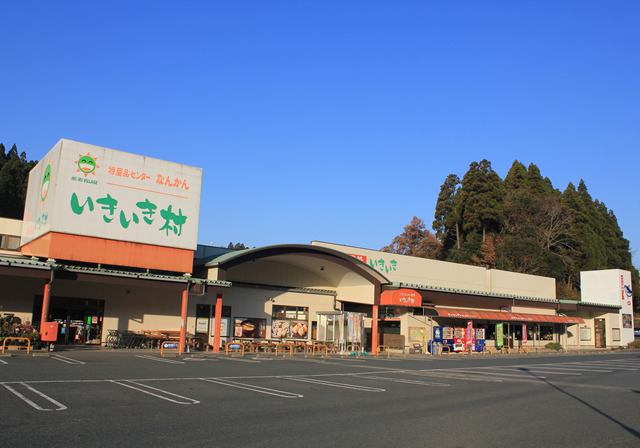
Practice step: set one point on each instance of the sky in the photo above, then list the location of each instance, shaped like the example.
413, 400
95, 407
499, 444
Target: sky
335, 121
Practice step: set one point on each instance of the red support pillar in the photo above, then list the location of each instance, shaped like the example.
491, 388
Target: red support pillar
45, 304
183, 327
218, 324
374, 331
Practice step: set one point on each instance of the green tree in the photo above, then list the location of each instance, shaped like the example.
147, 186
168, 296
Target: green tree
14, 177
237, 246
516, 178
481, 200
447, 219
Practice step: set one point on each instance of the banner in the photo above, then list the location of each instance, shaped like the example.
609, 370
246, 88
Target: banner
524, 333
468, 337
499, 341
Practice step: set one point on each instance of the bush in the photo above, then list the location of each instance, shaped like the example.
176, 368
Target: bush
554, 346
634, 345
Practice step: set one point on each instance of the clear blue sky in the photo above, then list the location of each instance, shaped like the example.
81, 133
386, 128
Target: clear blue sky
333, 120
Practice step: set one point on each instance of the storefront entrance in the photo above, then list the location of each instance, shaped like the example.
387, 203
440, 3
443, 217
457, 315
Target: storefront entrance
601, 334
79, 320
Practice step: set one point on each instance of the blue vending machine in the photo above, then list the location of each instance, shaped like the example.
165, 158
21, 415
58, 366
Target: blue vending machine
480, 339
437, 334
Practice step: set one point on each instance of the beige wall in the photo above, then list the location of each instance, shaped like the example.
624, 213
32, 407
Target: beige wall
421, 271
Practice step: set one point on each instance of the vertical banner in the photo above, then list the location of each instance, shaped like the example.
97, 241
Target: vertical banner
468, 336
499, 341
524, 333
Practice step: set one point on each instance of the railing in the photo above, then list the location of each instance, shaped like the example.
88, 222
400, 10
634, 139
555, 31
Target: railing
169, 345
319, 346
14, 339
355, 352
448, 347
388, 350
284, 347
234, 347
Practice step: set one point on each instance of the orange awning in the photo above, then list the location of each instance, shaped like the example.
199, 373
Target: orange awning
505, 316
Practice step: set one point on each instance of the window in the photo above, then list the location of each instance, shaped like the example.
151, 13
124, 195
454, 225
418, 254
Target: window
616, 334
585, 334
290, 312
8, 242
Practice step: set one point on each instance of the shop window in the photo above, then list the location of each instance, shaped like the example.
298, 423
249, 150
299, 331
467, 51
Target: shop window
585, 334
491, 332
616, 334
290, 312
546, 332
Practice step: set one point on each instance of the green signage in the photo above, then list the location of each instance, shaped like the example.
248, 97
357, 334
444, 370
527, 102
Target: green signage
499, 335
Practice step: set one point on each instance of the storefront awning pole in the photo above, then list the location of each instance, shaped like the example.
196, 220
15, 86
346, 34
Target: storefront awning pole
218, 324
374, 331
183, 327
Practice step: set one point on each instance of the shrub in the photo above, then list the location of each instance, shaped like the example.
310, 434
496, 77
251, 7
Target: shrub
554, 346
634, 345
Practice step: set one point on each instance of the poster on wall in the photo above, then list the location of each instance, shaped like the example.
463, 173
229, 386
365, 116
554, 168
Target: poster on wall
249, 327
499, 341
202, 324
627, 321
416, 333
299, 329
224, 326
280, 329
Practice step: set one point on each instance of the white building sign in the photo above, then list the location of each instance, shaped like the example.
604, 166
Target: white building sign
87, 190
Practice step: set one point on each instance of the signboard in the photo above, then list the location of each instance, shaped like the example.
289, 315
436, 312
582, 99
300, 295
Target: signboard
202, 324
499, 334
170, 345
401, 297
224, 326
87, 190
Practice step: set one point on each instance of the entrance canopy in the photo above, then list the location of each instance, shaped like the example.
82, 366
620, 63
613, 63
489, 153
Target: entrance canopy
505, 316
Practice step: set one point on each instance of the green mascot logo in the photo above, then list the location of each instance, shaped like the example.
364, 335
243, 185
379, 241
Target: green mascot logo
87, 164
46, 181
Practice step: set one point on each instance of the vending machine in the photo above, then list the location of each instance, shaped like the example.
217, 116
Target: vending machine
458, 339
480, 339
448, 336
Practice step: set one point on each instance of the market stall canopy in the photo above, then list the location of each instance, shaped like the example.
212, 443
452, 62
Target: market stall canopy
506, 316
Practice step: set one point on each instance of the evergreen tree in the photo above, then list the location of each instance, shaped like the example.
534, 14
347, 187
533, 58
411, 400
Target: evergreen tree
516, 178
14, 177
447, 219
481, 200
537, 185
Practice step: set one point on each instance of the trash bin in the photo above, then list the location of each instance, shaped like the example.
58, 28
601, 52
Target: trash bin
434, 347
415, 349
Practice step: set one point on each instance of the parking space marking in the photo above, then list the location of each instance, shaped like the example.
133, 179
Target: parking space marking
67, 360
528, 370
585, 364
60, 406
333, 384
153, 358
125, 384
400, 380
253, 388
240, 360
3, 362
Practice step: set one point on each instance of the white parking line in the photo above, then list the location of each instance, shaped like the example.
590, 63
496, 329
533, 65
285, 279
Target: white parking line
190, 400
153, 358
527, 370
67, 360
333, 384
262, 390
600, 366
3, 362
60, 406
399, 380
240, 360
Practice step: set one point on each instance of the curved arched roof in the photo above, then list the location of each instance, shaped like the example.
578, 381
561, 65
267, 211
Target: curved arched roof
302, 255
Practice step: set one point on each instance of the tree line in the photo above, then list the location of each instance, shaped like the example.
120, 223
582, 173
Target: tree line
14, 177
520, 224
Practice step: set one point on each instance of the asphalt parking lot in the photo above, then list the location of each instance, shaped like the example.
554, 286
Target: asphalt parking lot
136, 397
